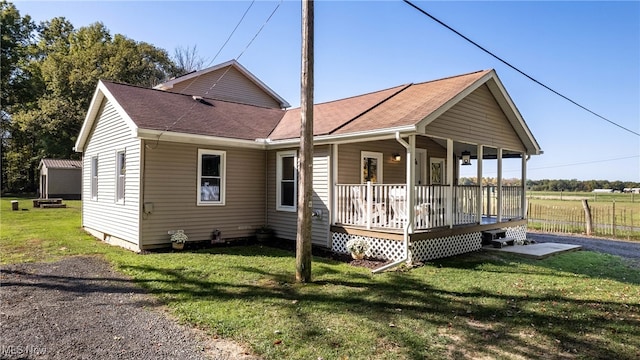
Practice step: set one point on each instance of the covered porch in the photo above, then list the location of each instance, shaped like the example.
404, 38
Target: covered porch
430, 213
431, 196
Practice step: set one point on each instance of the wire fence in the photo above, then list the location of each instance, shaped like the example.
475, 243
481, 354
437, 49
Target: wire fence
606, 220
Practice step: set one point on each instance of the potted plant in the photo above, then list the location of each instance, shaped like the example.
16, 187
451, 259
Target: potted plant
178, 238
264, 233
358, 246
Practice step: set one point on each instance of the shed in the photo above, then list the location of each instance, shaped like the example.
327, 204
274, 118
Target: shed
60, 178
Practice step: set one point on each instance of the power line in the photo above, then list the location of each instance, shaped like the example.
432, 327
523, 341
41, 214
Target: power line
260, 30
518, 70
586, 162
223, 45
227, 70
575, 164
230, 35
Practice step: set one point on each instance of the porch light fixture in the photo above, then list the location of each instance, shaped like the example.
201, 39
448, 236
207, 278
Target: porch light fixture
396, 157
466, 158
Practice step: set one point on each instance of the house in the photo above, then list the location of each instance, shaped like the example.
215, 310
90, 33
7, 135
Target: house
214, 153
60, 178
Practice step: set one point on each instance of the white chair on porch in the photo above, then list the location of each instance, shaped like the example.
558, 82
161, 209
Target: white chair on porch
359, 204
398, 207
422, 212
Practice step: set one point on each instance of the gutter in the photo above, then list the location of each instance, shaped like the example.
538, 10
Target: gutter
405, 232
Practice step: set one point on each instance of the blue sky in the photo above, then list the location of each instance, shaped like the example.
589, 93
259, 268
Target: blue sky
589, 51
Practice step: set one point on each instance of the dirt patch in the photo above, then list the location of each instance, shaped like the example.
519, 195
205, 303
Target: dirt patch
79, 308
368, 263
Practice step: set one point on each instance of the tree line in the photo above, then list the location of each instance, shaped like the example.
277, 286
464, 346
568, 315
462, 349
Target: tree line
572, 185
48, 74
579, 185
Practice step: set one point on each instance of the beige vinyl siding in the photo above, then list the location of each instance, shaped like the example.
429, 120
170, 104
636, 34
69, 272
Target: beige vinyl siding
321, 195
110, 134
285, 223
171, 185
393, 172
477, 119
230, 85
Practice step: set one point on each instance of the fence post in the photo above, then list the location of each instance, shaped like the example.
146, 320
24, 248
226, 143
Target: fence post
587, 215
613, 218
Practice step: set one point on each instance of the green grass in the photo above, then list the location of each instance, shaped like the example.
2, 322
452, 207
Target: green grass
591, 196
579, 305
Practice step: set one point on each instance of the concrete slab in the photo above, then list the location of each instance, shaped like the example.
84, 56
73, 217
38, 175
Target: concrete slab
536, 251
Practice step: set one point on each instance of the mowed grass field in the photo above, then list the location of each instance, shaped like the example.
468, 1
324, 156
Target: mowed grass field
565, 211
579, 305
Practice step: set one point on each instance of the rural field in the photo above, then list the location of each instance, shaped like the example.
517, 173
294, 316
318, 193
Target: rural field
615, 215
578, 305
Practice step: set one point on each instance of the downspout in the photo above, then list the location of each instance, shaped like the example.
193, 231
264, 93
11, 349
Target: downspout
266, 188
405, 234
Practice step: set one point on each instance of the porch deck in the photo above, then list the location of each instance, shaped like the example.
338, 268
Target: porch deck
488, 223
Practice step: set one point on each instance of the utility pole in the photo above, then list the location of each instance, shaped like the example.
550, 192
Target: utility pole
305, 168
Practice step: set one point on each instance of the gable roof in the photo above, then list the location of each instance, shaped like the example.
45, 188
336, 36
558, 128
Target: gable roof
407, 108
233, 63
151, 113
331, 115
60, 164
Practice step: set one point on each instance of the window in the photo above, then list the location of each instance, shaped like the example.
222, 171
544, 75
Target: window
211, 177
94, 178
287, 181
121, 169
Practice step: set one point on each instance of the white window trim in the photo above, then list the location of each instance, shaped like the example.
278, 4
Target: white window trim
94, 174
118, 190
279, 156
223, 177
376, 155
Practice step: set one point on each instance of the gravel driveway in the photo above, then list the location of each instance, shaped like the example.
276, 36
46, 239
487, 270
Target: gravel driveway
79, 308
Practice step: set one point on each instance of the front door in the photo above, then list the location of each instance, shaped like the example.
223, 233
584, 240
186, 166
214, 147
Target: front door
371, 167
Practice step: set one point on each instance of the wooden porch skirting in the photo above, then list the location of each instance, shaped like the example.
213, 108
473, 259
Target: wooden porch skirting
424, 245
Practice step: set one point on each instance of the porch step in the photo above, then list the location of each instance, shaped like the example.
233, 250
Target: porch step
489, 235
502, 242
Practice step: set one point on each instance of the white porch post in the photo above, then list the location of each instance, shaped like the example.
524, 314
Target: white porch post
479, 177
499, 190
369, 202
523, 200
334, 182
449, 163
411, 184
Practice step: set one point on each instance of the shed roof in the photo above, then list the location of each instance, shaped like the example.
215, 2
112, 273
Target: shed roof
61, 164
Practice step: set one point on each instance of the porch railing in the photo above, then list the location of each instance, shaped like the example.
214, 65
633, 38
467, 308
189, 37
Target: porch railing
511, 201
384, 205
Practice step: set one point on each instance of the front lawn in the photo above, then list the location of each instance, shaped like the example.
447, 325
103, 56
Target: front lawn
579, 305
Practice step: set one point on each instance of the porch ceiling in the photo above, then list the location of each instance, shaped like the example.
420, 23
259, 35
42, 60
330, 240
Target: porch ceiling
488, 153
